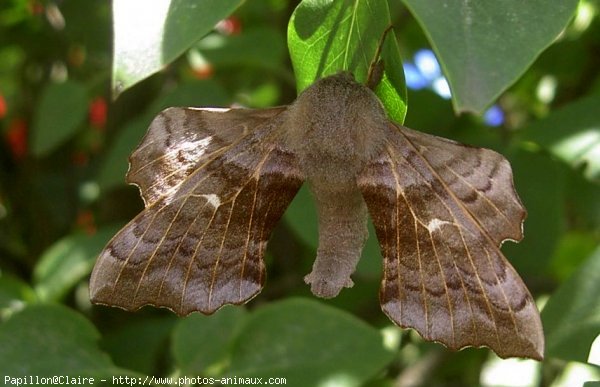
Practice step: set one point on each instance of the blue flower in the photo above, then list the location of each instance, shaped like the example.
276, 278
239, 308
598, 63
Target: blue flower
414, 79
441, 87
427, 64
494, 116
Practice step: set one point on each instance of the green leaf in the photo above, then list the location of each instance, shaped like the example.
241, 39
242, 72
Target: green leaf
328, 36
48, 340
484, 46
140, 344
113, 169
301, 216
545, 221
148, 35
573, 248
308, 343
60, 112
195, 93
571, 317
13, 293
201, 343
391, 90
371, 261
67, 262
243, 50
572, 134
582, 200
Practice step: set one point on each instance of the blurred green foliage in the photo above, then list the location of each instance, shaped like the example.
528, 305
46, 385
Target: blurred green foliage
65, 142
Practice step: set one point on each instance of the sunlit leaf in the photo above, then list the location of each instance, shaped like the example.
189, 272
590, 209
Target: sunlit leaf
150, 34
326, 37
572, 315
485, 45
68, 261
572, 134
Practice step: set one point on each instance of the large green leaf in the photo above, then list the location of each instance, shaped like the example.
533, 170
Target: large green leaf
201, 343
62, 108
572, 315
572, 134
14, 292
243, 50
49, 340
486, 45
545, 212
139, 344
329, 36
308, 343
150, 34
67, 261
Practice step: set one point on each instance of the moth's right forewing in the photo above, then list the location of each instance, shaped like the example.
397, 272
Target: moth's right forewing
201, 246
439, 218
180, 140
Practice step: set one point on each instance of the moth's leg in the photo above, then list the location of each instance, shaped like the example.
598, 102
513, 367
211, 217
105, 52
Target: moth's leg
342, 235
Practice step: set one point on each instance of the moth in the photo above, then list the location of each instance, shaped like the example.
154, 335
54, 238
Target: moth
216, 181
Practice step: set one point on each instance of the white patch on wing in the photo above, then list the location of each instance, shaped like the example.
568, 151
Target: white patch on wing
435, 224
213, 200
209, 109
182, 156
194, 149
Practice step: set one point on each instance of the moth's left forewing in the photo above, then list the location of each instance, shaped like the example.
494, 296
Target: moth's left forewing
181, 139
201, 246
440, 210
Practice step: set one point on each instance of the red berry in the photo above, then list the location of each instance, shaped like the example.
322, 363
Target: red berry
16, 137
204, 72
97, 113
86, 222
3, 107
230, 26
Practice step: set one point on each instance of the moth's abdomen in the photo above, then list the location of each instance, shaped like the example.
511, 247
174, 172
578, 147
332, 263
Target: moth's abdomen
342, 235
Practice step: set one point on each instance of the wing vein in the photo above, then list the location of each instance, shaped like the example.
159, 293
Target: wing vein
466, 247
158, 246
442, 274
491, 203
174, 254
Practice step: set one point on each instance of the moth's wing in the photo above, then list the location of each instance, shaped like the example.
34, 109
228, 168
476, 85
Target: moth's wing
200, 245
440, 211
179, 139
